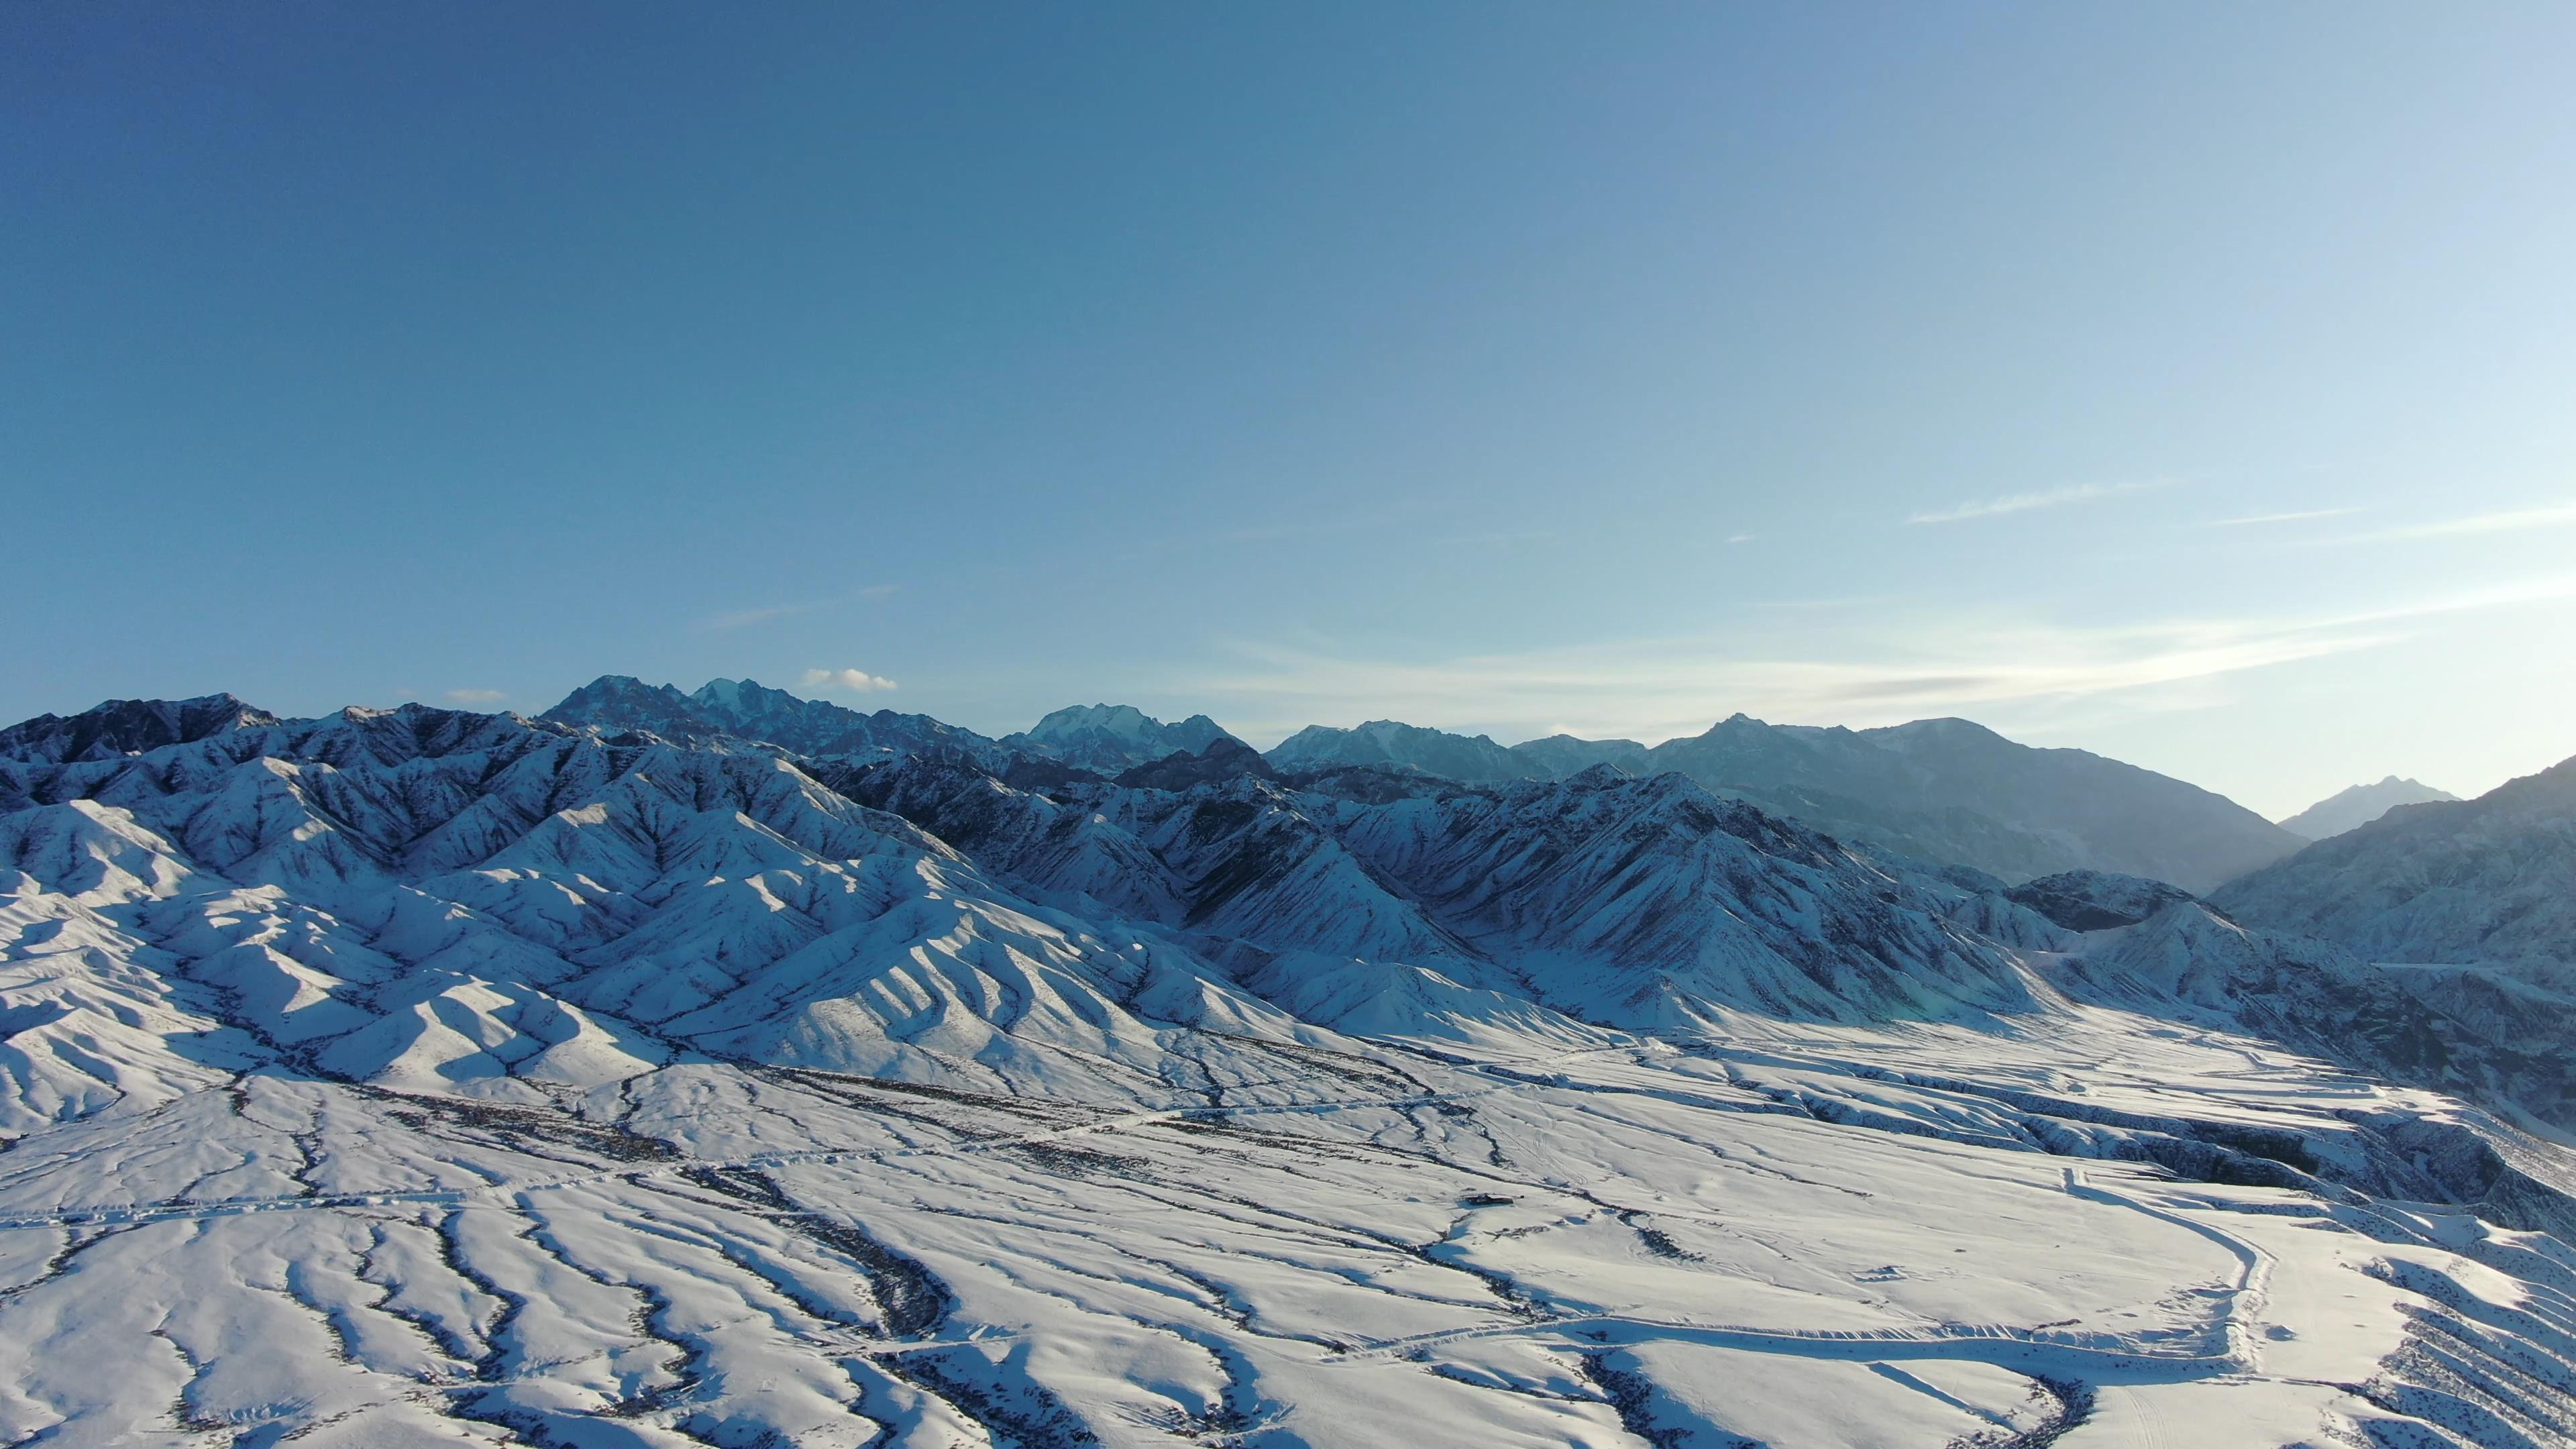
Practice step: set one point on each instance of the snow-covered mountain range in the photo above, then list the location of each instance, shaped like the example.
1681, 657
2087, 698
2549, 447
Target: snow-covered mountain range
725, 1067
1943, 789
2358, 805
1946, 791
746, 710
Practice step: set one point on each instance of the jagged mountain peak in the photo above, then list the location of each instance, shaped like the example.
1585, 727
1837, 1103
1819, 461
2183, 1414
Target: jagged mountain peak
1109, 738
1118, 719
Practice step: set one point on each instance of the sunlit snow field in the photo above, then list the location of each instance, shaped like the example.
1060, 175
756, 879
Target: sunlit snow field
1594, 1248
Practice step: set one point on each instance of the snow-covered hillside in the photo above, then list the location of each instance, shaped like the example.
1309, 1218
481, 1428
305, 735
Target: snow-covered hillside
2487, 880
420, 1076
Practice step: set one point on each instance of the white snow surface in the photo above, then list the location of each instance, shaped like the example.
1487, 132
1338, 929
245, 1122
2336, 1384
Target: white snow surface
427, 1077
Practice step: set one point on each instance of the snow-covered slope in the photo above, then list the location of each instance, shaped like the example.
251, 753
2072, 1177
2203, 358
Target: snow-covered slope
2358, 805
2481, 1035
419, 1076
2485, 880
1108, 738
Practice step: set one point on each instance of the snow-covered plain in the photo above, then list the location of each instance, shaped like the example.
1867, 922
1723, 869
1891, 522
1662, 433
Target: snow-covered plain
431, 1077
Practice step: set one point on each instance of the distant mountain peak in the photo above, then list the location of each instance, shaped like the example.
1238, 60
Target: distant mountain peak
1467, 759
2358, 805
1113, 737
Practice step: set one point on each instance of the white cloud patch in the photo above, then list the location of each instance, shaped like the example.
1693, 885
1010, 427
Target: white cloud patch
856, 681
2024, 502
477, 696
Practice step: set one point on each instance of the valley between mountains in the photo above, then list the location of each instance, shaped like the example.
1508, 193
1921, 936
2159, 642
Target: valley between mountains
727, 1068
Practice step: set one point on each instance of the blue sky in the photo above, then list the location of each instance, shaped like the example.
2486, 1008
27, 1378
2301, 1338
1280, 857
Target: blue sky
2191, 384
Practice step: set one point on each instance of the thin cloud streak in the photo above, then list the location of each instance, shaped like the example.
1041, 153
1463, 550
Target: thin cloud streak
2555, 515
1881, 672
477, 696
2024, 502
746, 618
2298, 517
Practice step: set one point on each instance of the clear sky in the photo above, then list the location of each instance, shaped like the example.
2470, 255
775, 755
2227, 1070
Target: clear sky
2194, 384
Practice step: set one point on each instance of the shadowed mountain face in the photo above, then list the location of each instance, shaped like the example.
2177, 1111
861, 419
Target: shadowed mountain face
2092, 900
2487, 880
128, 727
2359, 805
1222, 759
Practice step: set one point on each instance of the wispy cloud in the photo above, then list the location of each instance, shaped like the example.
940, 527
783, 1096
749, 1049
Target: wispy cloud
2024, 502
1862, 670
1740, 537
2555, 515
2299, 517
856, 681
477, 696
746, 618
